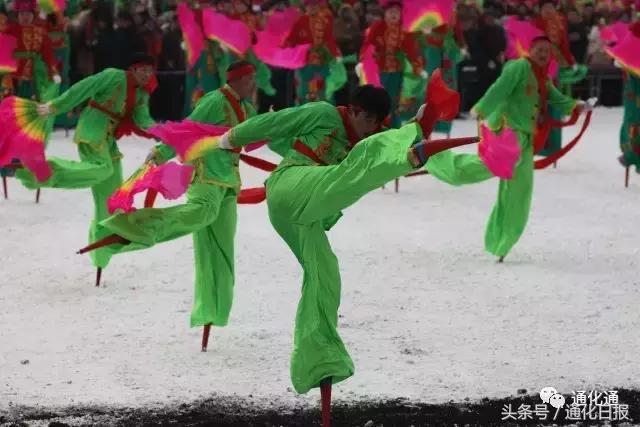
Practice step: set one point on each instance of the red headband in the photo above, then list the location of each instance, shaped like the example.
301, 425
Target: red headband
240, 72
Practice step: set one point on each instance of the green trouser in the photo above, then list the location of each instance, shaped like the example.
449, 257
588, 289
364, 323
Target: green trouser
210, 214
303, 202
99, 169
392, 82
511, 211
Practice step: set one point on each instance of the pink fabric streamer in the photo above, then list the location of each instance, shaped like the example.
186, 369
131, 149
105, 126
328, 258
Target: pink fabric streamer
232, 32
191, 33
499, 152
420, 13
170, 179
370, 70
268, 47
183, 135
268, 50
279, 24
22, 136
8, 63
615, 32
519, 37
626, 53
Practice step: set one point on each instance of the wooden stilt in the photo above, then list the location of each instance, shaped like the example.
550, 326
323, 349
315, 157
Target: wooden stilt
626, 178
109, 240
205, 337
555, 165
4, 187
325, 398
501, 260
397, 185
38, 196
98, 276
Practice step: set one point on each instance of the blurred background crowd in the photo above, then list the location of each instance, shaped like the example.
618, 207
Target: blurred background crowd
93, 35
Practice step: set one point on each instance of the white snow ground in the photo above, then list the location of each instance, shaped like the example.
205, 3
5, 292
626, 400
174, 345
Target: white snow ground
426, 313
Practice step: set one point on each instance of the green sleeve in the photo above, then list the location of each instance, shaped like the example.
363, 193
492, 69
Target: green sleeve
163, 153
86, 89
210, 109
560, 101
500, 91
287, 123
140, 115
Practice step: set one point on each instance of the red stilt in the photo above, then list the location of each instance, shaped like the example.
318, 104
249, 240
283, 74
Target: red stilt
38, 195
109, 240
418, 173
4, 187
205, 337
397, 185
626, 179
150, 198
325, 397
98, 276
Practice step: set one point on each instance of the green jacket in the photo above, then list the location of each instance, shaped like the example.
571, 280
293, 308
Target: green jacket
218, 167
514, 97
108, 88
318, 125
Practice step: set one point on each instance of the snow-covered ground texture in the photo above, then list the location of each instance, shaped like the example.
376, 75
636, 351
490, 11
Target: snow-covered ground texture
426, 313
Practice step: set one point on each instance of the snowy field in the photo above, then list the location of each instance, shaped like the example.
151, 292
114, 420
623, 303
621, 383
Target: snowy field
426, 313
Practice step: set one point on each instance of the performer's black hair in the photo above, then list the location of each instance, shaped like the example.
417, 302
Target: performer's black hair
372, 100
141, 58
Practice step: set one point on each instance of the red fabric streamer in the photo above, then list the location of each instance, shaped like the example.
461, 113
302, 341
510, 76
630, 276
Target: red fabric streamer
543, 163
258, 163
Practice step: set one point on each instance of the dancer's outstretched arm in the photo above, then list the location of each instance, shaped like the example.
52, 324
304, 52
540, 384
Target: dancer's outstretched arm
298, 121
104, 81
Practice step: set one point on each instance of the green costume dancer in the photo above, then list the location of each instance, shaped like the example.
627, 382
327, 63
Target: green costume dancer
116, 99
513, 100
630, 131
554, 26
325, 171
210, 212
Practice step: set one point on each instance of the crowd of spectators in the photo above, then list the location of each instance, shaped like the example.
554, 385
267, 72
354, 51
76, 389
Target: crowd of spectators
104, 34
